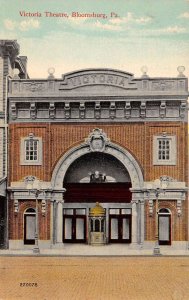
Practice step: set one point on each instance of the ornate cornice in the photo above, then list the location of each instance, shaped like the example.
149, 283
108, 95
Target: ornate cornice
84, 110
9, 48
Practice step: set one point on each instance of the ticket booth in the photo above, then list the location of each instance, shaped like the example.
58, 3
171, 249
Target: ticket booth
97, 225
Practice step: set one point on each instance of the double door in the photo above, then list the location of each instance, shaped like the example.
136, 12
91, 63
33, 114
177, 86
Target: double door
74, 229
120, 228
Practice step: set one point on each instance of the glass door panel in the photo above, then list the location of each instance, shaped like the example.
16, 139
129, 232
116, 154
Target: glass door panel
80, 229
68, 228
114, 229
164, 230
125, 229
30, 227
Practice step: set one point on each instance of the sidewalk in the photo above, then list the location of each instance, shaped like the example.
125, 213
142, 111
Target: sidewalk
94, 278
87, 250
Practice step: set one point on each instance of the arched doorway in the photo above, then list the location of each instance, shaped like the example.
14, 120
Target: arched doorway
97, 177
98, 171
164, 224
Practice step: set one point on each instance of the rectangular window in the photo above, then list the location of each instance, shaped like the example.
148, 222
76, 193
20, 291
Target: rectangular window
163, 149
31, 150
80, 211
114, 211
68, 211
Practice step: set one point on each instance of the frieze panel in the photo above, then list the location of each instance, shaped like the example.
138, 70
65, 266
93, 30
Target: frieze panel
164, 85
97, 77
98, 84
34, 86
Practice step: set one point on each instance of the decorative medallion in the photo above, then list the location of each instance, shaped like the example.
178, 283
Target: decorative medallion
165, 180
97, 140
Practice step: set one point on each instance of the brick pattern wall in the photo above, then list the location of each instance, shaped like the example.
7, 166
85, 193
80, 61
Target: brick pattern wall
16, 221
17, 172
136, 138
178, 172
179, 223
59, 138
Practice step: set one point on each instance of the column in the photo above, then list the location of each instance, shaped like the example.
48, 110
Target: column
141, 223
107, 225
134, 222
59, 225
88, 225
52, 222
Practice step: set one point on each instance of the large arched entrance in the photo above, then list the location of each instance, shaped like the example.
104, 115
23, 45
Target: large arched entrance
98, 171
97, 177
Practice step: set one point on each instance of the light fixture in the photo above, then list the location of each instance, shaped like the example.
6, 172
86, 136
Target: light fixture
34, 187
160, 186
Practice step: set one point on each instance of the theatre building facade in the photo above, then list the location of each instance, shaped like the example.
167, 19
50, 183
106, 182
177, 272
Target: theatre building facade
106, 154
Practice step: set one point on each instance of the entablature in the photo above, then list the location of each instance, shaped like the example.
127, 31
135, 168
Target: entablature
103, 94
120, 110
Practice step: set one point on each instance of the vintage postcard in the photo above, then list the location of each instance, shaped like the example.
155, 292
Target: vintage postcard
94, 149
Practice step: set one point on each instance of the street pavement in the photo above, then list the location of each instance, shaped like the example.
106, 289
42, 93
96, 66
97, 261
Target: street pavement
99, 278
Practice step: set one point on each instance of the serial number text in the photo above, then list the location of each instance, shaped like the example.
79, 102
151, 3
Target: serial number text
28, 284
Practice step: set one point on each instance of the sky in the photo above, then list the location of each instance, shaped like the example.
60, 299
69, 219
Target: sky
118, 34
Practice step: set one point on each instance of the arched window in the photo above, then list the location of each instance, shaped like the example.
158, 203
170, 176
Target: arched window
164, 211
164, 224
29, 226
30, 210
97, 225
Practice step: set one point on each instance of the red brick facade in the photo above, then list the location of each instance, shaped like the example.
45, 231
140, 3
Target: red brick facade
137, 138
57, 139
